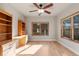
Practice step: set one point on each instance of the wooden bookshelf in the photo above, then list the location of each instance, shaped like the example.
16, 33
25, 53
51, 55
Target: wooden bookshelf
21, 28
5, 28
21, 32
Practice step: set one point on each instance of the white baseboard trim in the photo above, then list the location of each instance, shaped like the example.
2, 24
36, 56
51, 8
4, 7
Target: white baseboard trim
42, 40
68, 48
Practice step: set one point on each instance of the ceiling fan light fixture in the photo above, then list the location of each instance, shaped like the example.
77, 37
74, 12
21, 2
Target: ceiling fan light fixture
41, 11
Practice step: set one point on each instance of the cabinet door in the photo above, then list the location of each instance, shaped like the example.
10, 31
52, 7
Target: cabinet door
22, 41
76, 27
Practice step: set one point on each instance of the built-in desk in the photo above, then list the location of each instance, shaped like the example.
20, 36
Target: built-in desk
21, 40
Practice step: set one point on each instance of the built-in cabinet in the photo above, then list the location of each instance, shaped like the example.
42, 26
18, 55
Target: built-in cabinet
8, 49
5, 28
21, 28
7, 43
22, 33
5, 33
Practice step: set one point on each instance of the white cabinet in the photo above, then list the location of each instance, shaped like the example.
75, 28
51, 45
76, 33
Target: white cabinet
9, 49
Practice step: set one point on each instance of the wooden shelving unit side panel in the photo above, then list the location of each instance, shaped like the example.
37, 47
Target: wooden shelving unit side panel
1, 50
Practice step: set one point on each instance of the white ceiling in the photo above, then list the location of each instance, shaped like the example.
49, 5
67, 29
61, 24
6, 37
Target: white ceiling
24, 8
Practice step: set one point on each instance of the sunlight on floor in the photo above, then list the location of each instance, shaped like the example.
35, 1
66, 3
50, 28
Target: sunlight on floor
31, 50
22, 48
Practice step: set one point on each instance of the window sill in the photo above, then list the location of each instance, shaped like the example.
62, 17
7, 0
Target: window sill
75, 41
39, 35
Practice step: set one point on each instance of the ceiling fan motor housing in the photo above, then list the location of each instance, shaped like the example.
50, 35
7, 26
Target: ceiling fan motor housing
40, 5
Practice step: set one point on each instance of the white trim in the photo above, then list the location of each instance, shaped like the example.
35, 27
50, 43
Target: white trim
68, 48
42, 40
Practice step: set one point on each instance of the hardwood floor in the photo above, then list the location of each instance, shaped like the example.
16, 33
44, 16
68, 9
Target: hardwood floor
45, 49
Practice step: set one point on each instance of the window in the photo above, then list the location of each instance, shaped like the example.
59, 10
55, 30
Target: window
67, 28
40, 28
70, 27
76, 27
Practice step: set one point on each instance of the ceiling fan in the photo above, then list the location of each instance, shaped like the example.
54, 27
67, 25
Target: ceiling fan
42, 8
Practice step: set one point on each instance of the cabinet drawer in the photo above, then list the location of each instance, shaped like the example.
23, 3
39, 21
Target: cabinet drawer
5, 53
7, 46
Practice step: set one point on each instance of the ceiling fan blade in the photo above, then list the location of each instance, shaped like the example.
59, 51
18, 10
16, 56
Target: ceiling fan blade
33, 11
47, 6
36, 5
47, 12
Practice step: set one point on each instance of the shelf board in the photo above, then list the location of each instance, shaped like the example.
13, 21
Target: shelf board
4, 24
5, 20
4, 33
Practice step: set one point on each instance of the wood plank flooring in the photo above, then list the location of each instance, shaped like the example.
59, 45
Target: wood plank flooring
46, 49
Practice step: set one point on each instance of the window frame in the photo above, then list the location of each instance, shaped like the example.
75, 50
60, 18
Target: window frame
40, 27
72, 26
63, 27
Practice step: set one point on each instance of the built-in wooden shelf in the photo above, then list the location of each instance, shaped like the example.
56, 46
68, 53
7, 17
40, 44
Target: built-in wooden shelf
4, 33
4, 24
5, 20
21, 33
21, 28
5, 28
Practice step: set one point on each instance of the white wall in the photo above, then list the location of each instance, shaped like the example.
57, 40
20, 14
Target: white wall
49, 19
69, 44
